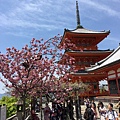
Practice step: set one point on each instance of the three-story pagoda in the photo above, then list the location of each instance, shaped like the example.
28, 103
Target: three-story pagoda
86, 53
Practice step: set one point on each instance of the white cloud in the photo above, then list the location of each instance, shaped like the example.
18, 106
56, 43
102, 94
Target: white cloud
113, 43
114, 39
35, 14
100, 6
47, 14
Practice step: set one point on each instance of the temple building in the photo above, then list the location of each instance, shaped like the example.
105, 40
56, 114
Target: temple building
87, 55
111, 66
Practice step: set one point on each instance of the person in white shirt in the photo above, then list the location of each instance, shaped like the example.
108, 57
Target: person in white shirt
111, 114
93, 107
102, 111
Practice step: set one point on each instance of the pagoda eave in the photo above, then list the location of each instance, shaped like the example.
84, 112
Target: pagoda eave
90, 52
106, 67
86, 31
87, 77
106, 64
96, 36
89, 74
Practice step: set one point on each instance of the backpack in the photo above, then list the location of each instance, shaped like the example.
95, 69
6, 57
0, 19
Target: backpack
88, 113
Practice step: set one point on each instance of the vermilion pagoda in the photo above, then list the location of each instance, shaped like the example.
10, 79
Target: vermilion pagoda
86, 55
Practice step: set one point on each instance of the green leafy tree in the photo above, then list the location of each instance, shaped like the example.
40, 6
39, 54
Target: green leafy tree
10, 103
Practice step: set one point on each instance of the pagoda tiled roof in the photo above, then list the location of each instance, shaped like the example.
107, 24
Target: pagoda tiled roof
86, 31
111, 59
89, 51
86, 73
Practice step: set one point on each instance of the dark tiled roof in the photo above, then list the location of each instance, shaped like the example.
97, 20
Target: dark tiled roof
112, 58
83, 30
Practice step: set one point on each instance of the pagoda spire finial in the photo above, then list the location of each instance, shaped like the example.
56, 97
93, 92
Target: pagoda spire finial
78, 16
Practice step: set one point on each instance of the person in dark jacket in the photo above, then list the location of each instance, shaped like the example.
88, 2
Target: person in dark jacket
89, 114
54, 112
34, 115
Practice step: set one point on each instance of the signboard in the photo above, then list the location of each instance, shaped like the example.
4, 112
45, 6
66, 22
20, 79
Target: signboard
3, 112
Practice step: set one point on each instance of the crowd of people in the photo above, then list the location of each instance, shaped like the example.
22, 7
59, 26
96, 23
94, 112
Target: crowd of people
92, 111
57, 112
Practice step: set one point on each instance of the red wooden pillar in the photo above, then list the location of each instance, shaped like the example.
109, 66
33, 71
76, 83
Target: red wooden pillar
117, 81
108, 83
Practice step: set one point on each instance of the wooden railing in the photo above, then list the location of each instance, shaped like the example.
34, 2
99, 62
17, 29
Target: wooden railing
12, 117
94, 93
27, 114
108, 99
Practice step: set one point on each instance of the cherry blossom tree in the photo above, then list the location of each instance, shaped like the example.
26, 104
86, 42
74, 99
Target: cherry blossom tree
28, 70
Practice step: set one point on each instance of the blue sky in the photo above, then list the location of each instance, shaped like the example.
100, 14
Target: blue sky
22, 20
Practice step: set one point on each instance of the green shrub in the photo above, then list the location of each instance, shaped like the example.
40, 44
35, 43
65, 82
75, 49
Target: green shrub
10, 103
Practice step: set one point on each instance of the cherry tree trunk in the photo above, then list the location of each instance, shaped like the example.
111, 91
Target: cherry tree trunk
24, 103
